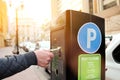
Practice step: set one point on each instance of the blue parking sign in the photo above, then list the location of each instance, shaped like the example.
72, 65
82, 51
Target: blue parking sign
89, 37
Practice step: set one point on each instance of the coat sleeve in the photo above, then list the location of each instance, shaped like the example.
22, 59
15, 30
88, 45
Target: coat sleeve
16, 63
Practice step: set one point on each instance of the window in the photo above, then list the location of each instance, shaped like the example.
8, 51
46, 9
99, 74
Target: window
109, 3
116, 54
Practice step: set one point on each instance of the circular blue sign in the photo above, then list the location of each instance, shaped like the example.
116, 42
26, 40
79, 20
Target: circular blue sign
89, 37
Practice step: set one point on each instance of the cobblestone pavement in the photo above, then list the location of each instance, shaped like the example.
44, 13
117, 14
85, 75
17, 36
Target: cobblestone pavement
32, 73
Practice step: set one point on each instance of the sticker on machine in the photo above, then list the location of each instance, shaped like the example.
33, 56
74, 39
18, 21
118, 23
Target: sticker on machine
89, 67
89, 37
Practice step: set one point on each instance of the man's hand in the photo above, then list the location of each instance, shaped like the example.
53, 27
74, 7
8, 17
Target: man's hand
43, 57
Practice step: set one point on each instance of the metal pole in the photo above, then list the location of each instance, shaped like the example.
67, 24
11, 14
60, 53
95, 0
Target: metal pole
17, 46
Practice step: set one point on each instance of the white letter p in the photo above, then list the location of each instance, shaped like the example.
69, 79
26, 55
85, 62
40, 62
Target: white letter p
91, 35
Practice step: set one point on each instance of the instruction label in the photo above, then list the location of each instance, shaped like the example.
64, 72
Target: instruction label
89, 67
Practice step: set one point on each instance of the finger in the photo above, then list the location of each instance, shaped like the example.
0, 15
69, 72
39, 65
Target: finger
51, 55
49, 59
44, 64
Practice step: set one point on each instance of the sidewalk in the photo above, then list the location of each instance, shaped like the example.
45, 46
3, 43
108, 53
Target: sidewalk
32, 73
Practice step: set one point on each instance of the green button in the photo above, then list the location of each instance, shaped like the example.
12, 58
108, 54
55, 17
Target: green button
89, 67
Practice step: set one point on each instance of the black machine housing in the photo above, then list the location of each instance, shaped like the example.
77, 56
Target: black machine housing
64, 34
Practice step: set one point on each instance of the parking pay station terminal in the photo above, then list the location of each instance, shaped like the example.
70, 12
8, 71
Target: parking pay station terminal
81, 38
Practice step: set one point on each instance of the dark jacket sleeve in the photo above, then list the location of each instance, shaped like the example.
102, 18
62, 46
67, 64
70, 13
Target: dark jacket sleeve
16, 63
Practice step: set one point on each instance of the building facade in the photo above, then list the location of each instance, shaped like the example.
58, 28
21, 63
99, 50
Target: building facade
3, 23
108, 9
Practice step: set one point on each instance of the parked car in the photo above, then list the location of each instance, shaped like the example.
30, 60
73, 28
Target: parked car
44, 44
27, 46
113, 58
